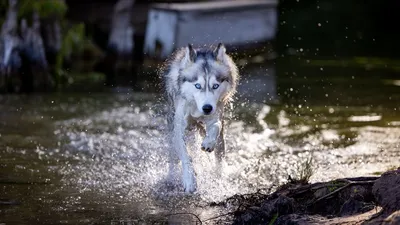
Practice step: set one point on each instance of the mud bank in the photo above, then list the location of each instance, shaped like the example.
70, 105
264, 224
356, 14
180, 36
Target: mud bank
360, 200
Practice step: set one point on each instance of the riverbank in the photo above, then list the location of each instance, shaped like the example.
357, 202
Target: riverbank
359, 200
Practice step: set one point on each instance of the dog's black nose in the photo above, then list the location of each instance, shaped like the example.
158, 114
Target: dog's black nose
207, 109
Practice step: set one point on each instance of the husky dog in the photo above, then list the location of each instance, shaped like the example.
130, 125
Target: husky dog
198, 84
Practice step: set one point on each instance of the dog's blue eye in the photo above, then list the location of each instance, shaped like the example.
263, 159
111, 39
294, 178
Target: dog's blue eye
215, 86
198, 86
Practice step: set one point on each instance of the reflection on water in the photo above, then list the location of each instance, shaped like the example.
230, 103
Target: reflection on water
102, 157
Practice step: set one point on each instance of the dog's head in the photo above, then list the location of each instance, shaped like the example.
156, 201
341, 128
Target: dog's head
207, 77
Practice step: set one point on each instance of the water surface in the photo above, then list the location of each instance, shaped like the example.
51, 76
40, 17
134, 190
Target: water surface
102, 157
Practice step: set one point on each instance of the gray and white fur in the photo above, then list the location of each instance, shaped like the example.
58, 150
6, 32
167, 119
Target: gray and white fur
198, 84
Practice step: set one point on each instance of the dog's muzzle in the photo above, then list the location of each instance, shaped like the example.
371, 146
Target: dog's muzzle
207, 109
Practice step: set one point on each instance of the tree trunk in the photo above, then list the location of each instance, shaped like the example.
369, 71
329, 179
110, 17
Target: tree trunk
23, 64
10, 60
34, 68
52, 37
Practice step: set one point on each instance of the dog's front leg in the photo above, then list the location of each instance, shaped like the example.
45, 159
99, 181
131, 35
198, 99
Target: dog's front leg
213, 128
180, 124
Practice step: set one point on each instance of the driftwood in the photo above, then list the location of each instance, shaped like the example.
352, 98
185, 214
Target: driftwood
341, 201
335, 198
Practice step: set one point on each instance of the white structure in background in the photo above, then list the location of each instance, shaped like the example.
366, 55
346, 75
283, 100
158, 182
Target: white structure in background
236, 23
121, 35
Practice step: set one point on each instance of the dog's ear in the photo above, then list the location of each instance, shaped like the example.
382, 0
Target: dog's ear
190, 55
192, 52
219, 52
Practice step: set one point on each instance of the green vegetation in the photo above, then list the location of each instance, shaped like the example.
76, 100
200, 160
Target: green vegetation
74, 42
304, 172
74, 45
273, 220
45, 8
333, 185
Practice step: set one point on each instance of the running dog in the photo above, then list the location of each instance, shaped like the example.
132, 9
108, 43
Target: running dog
198, 85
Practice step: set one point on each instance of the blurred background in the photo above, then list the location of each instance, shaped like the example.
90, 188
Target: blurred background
79, 43
81, 121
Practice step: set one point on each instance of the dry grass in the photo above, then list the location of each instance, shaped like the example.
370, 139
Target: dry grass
304, 171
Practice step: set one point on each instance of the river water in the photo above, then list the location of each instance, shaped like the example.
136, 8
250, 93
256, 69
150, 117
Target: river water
101, 158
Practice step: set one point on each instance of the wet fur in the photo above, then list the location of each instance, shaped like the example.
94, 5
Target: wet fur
181, 71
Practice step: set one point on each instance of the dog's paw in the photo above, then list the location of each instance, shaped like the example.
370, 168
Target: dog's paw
189, 184
208, 145
189, 181
189, 187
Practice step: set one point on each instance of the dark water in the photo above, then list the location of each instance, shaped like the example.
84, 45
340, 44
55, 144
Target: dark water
99, 158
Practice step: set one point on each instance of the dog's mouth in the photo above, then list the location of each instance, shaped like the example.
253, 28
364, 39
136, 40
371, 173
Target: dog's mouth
208, 113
